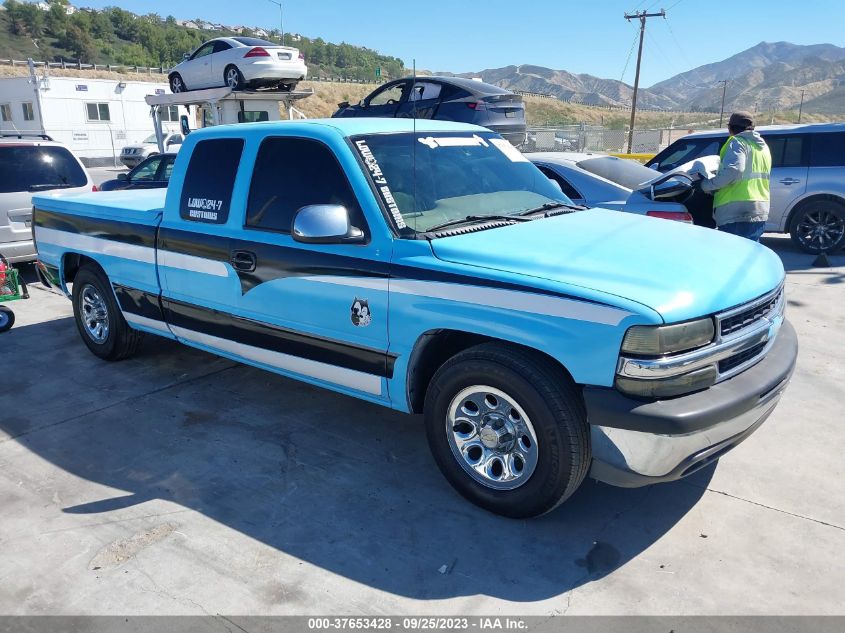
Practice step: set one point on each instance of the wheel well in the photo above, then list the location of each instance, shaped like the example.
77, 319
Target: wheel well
436, 347
72, 262
821, 197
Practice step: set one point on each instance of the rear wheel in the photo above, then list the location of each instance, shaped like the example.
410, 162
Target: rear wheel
508, 429
98, 318
7, 319
233, 78
176, 84
819, 226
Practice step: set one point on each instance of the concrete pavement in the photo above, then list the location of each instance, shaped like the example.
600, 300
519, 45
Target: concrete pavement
180, 483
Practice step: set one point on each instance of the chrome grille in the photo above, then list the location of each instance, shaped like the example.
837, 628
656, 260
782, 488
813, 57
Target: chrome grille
744, 316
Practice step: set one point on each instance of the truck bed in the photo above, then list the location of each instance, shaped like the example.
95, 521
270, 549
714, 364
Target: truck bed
139, 206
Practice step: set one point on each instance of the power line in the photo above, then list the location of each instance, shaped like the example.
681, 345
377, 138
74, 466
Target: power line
630, 52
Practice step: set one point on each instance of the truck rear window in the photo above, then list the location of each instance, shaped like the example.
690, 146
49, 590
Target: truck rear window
38, 168
207, 192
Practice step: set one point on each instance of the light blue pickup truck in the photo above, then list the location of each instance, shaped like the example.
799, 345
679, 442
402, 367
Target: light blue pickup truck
435, 270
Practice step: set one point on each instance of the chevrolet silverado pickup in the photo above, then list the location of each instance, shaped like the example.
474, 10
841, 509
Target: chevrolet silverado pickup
435, 270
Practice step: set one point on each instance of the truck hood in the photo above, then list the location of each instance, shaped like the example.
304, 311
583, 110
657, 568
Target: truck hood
679, 271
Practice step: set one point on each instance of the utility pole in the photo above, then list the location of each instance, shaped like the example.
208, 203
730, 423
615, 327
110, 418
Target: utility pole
801, 107
642, 16
281, 25
724, 83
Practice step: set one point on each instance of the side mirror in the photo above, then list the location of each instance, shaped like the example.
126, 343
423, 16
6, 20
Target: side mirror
184, 125
343, 104
362, 103
669, 189
123, 177
186, 57
325, 224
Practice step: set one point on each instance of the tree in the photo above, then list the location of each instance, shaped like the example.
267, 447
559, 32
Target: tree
80, 43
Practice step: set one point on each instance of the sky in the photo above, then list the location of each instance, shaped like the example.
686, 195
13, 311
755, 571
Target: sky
584, 36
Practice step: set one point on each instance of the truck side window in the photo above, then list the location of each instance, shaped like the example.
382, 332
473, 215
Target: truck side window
291, 173
207, 192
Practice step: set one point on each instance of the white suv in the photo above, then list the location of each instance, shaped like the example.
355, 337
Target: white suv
29, 164
807, 182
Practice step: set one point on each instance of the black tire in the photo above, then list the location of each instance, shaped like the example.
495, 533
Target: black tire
177, 84
7, 319
230, 73
551, 401
819, 226
119, 341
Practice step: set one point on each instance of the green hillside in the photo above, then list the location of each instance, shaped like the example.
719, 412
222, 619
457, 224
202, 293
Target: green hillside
116, 36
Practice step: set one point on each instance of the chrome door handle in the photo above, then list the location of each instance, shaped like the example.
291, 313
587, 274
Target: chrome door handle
789, 181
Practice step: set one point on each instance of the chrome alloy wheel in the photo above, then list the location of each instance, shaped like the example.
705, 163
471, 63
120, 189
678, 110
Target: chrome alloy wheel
232, 77
95, 314
177, 85
820, 229
491, 437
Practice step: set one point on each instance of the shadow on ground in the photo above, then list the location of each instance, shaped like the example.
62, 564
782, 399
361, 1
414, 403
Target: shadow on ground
796, 261
342, 484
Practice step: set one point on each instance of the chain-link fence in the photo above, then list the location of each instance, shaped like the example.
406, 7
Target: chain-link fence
596, 138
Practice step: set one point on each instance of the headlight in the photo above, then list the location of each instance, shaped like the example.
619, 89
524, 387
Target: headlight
657, 340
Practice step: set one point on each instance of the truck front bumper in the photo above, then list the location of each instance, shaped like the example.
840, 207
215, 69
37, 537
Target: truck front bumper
638, 443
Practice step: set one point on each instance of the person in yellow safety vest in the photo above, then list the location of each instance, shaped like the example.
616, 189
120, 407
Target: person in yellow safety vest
741, 186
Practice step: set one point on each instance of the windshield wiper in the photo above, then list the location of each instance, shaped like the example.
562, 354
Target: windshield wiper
46, 187
476, 218
550, 206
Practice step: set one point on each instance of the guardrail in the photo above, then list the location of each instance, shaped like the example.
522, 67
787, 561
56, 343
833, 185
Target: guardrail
78, 65
159, 70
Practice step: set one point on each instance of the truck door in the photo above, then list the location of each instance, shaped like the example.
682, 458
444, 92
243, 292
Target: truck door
236, 282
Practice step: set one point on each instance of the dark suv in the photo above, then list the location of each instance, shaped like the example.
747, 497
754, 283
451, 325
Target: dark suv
446, 99
807, 183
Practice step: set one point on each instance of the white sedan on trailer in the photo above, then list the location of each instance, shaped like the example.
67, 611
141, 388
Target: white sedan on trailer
239, 62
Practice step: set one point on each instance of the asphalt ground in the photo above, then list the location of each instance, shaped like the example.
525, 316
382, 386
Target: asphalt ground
177, 482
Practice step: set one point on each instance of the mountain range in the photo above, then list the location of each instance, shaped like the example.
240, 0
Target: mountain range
768, 76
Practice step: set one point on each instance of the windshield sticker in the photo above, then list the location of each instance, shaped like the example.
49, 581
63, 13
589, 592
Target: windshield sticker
509, 150
381, 182
453, 141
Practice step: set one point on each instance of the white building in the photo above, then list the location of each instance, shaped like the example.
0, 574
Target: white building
95, 118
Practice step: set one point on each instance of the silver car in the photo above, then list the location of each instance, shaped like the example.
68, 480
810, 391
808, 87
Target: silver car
598, 180
807, 183
30, 164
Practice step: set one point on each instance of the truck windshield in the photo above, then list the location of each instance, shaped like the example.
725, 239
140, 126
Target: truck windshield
428, 179
38, 168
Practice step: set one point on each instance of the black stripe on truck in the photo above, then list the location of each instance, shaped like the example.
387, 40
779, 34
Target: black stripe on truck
138, 302
115, 230
254, 333
277, 339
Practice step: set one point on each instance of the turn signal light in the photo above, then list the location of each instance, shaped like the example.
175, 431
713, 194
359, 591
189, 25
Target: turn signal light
257, 51
671, 215
473, 105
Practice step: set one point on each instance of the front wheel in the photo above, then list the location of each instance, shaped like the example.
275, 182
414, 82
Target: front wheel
98, 318
819, 226
508, 429
7, 319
